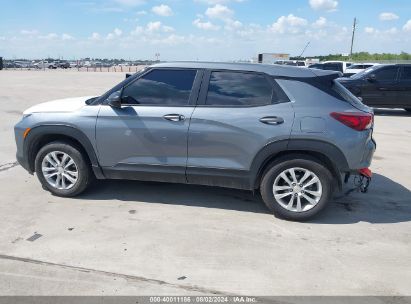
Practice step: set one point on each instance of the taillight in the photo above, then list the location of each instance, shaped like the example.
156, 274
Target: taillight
357, 121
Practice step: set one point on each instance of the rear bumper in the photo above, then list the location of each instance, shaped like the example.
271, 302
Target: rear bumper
370, 148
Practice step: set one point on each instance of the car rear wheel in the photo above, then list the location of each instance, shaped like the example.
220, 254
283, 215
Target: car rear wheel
296, 189
62, 169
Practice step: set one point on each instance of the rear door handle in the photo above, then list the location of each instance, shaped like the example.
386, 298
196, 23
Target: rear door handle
272, 120
174, 117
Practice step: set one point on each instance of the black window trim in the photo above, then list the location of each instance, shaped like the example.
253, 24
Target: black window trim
202, 98
193, 94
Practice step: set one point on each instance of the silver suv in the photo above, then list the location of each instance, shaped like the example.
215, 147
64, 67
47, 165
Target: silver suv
290, 132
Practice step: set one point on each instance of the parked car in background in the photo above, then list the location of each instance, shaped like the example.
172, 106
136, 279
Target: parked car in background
344, 64
74, 64
45, 64
291, 62
62, 64
216, 124
358, 67
382, 86
337, 67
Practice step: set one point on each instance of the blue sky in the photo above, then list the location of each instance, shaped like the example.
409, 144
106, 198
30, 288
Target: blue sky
199, 29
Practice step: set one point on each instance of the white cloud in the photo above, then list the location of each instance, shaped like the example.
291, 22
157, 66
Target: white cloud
162, 10
369, 30
288, 24
407, 26
379, 33
50, 36
29, 32
138, 30
115, 34
320, 22
388, 16
219, 12
65, 36
141, 13
392, 31
95, 36
326, 5
153, 26
171, 40
168, 29
205, 25
232, 25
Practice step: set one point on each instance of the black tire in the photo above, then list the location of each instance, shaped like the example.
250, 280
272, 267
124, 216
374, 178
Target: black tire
85, 176
297, 161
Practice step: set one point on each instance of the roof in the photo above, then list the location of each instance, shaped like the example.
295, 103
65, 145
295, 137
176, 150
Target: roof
270, 69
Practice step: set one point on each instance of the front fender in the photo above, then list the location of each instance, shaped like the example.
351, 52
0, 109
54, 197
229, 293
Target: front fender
40, 133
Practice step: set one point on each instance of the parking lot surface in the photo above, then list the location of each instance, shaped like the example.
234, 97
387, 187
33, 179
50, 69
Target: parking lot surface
144, 238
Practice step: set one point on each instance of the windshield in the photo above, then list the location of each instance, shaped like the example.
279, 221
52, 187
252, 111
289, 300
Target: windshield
355, 66
362, 73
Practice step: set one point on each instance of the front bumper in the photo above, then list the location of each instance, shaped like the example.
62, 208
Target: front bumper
21, 155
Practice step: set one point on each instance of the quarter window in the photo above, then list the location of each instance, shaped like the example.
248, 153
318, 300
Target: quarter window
161, 87
239, 89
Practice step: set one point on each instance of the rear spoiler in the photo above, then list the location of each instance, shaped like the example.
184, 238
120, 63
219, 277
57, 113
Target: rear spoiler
326, 74
330, 77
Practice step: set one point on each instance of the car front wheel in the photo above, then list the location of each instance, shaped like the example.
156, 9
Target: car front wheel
62, 169
296, 189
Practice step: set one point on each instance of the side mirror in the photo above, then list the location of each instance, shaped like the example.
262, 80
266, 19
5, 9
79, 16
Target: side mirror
360, 98
372, 78
114, 100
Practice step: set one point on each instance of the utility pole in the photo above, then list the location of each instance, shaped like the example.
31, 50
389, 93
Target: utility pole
354, 27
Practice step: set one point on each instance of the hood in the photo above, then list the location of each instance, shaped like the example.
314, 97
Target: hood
60, 105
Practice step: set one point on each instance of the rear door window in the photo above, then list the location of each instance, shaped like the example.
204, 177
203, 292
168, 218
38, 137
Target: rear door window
406, 73
386, 73
242, 89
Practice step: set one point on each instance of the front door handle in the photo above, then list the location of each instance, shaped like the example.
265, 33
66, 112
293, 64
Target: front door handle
174, 117
272, 120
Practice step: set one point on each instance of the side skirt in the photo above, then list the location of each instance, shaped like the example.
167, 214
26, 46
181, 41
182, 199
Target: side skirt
237, 179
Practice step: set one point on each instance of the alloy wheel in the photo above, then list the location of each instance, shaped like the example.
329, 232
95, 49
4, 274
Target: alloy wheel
59, 170
297, 189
